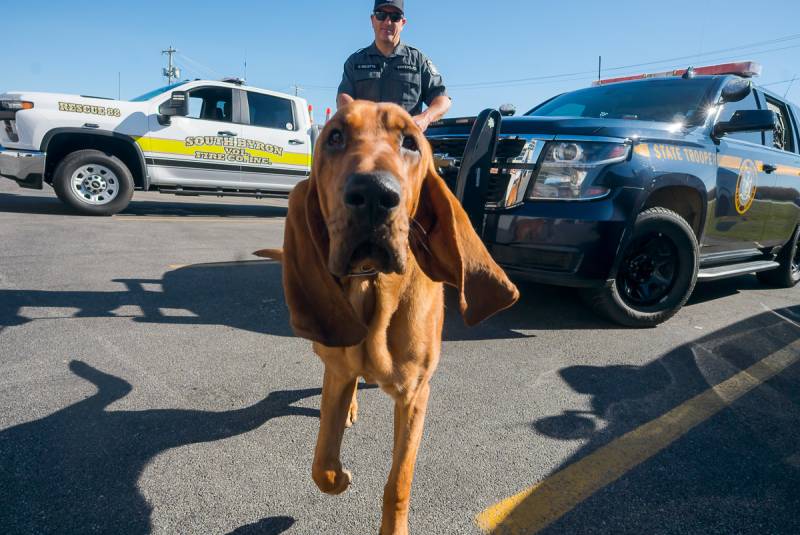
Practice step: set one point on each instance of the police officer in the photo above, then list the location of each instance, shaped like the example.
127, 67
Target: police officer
391, 71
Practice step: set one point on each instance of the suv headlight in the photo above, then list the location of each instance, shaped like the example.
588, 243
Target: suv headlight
569, 168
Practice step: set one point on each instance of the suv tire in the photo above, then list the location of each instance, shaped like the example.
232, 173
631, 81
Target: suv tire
788, 273
655, 275
93, 182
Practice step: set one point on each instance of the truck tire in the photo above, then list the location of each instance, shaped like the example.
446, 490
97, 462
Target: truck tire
93, 182
788, 273
656, 272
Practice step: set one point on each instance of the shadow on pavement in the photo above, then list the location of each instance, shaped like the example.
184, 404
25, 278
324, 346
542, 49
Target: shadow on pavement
732, 473
45, 205
267, 526
75, 471
249, 296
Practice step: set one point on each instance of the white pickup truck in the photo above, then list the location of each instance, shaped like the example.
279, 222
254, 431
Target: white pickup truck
193, 138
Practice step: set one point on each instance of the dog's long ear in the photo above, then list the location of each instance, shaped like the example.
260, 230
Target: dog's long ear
318, 308
448, 250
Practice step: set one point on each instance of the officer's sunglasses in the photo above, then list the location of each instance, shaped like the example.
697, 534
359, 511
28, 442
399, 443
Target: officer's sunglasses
392, 16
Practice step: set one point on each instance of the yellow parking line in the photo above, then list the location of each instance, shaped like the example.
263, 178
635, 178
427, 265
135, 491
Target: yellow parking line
540, 505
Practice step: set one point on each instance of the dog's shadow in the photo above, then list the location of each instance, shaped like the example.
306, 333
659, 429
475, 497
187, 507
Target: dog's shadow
76, 470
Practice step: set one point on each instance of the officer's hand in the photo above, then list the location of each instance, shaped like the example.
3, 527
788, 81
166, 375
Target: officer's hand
422, 121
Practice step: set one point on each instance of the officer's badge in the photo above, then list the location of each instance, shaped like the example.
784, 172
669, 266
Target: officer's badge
746, 186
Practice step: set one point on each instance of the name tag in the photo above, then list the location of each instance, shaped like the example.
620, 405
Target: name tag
366, 67
406, 68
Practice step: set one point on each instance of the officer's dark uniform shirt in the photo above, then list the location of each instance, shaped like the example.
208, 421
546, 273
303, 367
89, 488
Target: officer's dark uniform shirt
407, 77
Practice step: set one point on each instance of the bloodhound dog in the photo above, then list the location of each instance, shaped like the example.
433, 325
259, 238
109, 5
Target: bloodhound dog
370, 238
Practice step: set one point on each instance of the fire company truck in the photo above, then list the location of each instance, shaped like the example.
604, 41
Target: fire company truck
193, 138
635, 188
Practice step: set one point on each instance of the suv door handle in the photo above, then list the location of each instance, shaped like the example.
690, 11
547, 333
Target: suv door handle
296, 142
227, 133
769, 168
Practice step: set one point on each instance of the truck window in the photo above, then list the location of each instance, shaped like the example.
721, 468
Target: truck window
782, 136
730, 108
270, 112
211, 104
661, 100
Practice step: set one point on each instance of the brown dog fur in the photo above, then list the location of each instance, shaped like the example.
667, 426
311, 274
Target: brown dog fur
387, 326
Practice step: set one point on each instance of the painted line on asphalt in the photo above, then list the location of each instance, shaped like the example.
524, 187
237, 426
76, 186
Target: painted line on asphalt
537, 507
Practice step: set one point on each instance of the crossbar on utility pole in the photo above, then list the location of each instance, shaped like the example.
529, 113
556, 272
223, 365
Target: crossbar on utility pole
170, 71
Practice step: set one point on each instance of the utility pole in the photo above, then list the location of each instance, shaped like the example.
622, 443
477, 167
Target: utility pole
599, 67
297, 89
171, 72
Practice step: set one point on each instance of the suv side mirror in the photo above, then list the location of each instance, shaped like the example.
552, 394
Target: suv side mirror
736, 90
177, 105
507, 110
747, 121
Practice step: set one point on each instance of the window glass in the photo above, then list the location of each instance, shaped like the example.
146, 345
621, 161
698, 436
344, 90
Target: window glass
270, 111
156, 92
664, 100
211, 104
730, 108
782, 137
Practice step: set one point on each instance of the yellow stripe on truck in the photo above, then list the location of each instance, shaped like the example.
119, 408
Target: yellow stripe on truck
178, 147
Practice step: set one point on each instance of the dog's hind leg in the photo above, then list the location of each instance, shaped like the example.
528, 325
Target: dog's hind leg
337, 396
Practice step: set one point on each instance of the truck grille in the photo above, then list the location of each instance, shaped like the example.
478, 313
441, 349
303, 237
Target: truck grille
507, 149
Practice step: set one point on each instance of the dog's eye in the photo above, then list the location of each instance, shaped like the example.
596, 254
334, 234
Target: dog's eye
409, 143
336, 139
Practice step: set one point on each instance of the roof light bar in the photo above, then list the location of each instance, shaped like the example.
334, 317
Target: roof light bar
746, 69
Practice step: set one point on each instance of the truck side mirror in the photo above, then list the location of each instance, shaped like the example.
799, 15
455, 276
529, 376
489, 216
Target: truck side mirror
507, 110
736, 90
747, 121
177, 105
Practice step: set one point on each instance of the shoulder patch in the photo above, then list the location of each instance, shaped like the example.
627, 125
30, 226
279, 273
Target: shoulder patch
432, 68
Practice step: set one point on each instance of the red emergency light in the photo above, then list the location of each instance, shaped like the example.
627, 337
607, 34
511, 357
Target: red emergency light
746, 69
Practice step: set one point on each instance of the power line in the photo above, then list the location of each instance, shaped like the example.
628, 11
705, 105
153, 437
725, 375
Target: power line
643, 64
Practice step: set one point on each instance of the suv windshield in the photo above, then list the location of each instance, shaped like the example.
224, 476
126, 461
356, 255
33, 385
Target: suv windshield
672, 100
156, 92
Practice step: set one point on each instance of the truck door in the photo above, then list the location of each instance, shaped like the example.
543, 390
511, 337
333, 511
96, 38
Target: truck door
196, 150
277, 145
739, 209
782, 162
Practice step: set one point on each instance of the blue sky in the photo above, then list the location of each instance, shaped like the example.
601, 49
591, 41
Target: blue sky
81, 46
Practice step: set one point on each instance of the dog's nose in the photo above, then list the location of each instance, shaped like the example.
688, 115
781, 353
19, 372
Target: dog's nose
372, 195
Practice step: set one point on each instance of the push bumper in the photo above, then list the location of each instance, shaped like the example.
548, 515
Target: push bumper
561, 243
24, 167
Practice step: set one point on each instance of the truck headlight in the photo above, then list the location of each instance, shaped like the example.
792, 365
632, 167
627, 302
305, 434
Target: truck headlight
15, 105
568, 169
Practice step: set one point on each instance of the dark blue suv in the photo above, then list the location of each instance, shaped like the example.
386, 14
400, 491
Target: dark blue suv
633, 190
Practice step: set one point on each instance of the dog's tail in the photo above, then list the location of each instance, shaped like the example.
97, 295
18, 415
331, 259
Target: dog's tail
274, 254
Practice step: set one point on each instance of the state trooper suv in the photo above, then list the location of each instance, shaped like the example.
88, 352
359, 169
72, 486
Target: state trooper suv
636, 188
193, 138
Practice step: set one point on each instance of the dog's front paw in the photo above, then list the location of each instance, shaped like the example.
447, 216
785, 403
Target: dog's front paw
352, 414
332, 481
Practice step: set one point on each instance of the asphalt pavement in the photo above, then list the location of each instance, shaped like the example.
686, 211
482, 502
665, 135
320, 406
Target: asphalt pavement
150, 383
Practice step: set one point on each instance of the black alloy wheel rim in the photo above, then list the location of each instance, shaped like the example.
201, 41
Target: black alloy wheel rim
649, 270
796, 260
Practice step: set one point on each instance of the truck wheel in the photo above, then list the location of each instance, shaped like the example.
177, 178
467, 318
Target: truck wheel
93, 182
656, 274
788, 274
